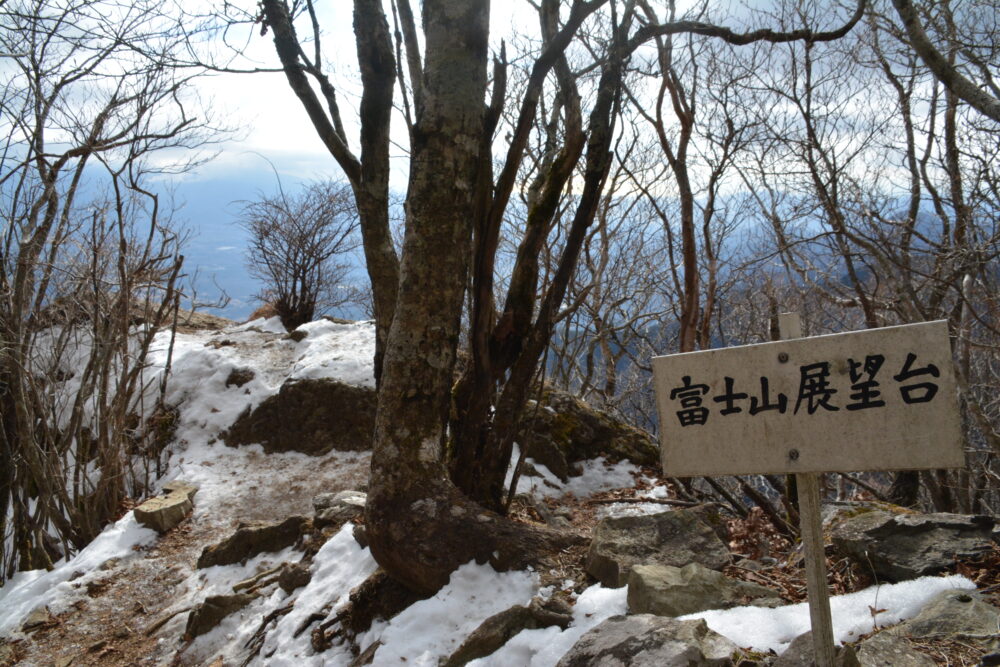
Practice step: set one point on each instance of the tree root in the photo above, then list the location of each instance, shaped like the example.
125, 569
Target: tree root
378, 596
256, 641
421, 537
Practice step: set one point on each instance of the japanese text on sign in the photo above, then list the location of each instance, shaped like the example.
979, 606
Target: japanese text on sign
816, 390
881, 399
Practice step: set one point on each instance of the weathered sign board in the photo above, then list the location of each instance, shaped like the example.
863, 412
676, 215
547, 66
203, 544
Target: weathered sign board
880, 399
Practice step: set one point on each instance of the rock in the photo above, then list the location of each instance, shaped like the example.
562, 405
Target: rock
800, 653
210, 613
240, 376
297, 335
335, 509
565, 430
901, 546
8, 656
293, 576
496, 630
644, 640
668, 538
309, 416
161, 513
39, 617
674, 591
178, 486
360, 535
950, 613
252, 539
885, 650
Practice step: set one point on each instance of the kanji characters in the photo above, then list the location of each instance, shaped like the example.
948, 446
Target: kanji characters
863, 382
814, 388
690, 396
921, 392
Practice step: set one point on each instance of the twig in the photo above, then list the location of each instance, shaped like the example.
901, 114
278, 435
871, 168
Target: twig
864, 485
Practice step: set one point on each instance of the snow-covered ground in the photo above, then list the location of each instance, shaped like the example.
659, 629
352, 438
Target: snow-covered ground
245, 484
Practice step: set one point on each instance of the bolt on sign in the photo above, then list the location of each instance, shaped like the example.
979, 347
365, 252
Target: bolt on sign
880, 399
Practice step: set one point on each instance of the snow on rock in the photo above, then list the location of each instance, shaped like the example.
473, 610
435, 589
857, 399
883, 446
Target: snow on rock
774, 629
342, 352
432, 629
54, 589
596, 475
544, 647
202, 362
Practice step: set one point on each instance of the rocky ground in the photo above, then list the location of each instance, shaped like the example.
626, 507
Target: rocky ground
169, 599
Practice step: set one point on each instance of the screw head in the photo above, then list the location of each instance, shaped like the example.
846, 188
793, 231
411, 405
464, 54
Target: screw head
783, 357
793, 454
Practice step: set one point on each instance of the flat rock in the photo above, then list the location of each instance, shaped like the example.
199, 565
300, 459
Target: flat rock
674, 591
886, 650
959, 613
902, 546
668, 538
644, 640
161, 513
179, 486
252, 539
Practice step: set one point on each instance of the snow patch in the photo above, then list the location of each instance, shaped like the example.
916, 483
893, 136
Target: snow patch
432, 629
596, 475
544, 647
30, 590
774, 629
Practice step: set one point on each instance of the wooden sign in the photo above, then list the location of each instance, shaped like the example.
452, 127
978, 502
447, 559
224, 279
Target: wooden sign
880, 399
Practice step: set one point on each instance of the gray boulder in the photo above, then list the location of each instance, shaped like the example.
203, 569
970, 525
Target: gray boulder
644, 640
668, 538
961, 614
335, 509
252, 539
906, 546
674, 591
801, 653
886, 650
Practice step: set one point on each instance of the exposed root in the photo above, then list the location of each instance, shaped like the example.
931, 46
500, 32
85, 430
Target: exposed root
420, 539
256, 641
378, 596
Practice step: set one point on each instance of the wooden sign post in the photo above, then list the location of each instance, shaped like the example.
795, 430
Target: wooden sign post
811, 529
880, 399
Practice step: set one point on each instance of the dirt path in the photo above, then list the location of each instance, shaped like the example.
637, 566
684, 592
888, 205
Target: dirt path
110, 620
